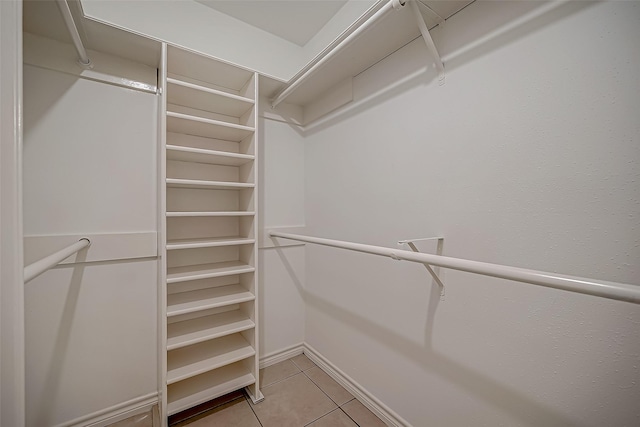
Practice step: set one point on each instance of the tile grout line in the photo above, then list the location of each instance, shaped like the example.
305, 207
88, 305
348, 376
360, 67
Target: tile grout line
246, 397
314, 383
280, 380
319, 418
345, 412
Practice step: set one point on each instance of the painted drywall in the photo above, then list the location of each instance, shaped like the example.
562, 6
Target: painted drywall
89, 167
528, 156
194, 26
282, 307
203, 29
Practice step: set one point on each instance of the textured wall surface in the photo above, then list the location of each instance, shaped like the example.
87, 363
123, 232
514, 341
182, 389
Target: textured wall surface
528, 156
89, 167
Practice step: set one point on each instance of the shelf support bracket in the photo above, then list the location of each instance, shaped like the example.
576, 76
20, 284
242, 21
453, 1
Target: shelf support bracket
433, 271
428, 41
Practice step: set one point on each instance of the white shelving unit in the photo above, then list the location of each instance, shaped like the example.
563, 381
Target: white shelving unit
209, 245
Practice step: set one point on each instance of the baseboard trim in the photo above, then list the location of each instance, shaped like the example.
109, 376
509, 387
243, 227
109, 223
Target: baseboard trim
281, 355
115, 413
383, 412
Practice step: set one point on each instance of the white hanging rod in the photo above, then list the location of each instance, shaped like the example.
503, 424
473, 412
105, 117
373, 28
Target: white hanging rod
37, 268
298, 80
610, 290
83, 58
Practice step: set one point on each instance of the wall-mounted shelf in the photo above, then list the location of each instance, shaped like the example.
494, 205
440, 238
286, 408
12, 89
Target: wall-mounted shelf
194, 331
194, 391
213, 157
197, 96
187, 362
205, 299
213, 185
205, 271
207, 128
209, 214
206, 242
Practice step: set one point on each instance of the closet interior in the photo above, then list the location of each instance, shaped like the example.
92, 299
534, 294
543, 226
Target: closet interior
202, 188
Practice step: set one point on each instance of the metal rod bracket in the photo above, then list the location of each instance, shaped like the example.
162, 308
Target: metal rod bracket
429, 41
433, 271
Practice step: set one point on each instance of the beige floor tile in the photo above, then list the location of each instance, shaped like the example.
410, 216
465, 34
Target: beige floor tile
277, 372
362, 415
303, 362
293, 402
336, 418
237, 413
335, 391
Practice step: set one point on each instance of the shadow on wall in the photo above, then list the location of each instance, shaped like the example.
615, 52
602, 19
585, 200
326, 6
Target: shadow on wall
44, 414
502, 23
54, 93
509, 400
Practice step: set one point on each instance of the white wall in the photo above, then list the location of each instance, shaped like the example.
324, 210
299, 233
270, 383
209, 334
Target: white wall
89, 167
528, 156
282, 309
203, 29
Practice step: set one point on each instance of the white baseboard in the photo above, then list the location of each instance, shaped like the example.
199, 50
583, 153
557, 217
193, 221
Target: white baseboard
281, 355
383, 412
115, 413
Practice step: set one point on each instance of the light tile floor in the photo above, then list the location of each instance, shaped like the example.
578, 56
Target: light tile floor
297, 394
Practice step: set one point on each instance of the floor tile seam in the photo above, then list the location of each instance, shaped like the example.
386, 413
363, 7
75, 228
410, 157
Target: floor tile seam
280, 380
350, 417
337, 408
246, 397
299, 367
320, 388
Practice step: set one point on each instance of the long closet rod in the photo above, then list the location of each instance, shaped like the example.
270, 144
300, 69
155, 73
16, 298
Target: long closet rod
298, 80
610, 290
83, 58
37, 268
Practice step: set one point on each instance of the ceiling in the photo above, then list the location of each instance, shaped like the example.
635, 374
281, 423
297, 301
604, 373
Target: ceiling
299, 20
295, 21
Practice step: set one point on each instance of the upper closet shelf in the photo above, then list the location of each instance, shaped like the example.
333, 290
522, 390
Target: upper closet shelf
373, 37
207, 128
207, 99
200, 155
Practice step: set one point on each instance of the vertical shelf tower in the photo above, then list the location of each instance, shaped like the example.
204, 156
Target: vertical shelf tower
209, 170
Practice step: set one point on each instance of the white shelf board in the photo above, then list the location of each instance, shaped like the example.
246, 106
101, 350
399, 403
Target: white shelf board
205, 271
391, 33
213, 214
194, 331
208, 242
212, 157
206, 69
213, 185
200, 389
204, 299
203, 98
206, 356
207, 128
